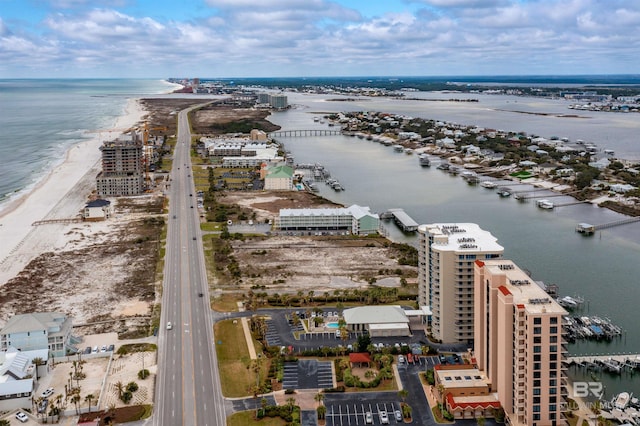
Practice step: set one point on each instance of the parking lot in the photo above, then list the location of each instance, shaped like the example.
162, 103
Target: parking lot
307, 374
361, 413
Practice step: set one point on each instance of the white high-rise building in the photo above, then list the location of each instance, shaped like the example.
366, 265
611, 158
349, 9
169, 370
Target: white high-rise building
447, 252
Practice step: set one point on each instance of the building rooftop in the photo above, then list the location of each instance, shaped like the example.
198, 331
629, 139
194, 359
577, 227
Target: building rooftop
354, 210
375, 315
34, 321
461, 237
461, 377
523, 288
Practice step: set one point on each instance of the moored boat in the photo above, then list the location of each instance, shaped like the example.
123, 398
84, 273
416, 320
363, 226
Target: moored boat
424, 160
488, 184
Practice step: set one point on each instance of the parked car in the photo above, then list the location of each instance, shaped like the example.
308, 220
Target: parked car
94, 350
398, 415
111, 348
400, 359
42, 408
103, 348
368, 418
22, 417
384, 418
87, 350
47, 393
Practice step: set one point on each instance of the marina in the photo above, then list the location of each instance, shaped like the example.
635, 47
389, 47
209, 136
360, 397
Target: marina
402, 219
590, 327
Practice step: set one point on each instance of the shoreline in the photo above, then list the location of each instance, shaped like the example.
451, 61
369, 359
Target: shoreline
61, 193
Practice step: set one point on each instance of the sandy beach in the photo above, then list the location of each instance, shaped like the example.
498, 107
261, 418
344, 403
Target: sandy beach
60, 195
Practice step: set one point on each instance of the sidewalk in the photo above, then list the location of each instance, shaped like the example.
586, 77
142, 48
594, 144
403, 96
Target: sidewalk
247, 333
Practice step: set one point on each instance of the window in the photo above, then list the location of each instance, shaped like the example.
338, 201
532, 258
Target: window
536, 365
537, 339
537, 330
553, 320
553, 365
536, 384
553, 400
537, 320
536, 408
553, 348
553, 330
536, 391
536, 400
553, 339
537, 349
537, 357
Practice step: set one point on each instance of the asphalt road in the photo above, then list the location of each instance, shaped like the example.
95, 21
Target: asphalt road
188, 388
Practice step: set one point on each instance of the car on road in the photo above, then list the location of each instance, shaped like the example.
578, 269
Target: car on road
398, 415
22, 417
400, 359
47, 393
368, 418
384, 418
194, 238
169, 326
174, 216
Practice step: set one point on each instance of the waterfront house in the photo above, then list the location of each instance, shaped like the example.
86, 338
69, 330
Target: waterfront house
39, 330
279, 178
18, 377
96, 210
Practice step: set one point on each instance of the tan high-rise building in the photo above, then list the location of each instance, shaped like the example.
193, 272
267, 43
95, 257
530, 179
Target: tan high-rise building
122, 168
518, 343
446, 253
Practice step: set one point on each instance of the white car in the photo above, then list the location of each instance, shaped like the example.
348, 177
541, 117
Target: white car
368, 418
400, 359
169, 326
47, 393
384, 418
22, 417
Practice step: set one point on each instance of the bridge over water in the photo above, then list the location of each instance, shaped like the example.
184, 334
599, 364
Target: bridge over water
304, 132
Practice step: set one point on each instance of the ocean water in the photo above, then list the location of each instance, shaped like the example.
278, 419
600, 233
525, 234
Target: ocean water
41, 119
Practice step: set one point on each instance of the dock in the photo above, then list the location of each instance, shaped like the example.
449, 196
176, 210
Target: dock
402, 219
589, 229
613, 363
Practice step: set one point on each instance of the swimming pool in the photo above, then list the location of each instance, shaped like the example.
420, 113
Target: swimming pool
332, 325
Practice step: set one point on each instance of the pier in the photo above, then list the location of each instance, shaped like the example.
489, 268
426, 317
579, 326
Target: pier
52, 221
308, 132
402, 219
613, 363
589, 229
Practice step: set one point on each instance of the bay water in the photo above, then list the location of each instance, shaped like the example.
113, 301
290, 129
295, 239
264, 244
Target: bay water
603, 269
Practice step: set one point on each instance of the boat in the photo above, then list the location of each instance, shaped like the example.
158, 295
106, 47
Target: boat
504, 192
424, 160
408, 151
443, 166
621, 400
545, 204
398, 148
488, 184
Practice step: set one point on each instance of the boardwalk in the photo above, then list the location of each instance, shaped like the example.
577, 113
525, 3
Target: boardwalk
589, 229
404, 221
308, 132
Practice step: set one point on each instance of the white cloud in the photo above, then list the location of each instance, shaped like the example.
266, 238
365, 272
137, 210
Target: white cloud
320, 37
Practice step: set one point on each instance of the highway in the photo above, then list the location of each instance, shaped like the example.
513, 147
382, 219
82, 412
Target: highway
188, 388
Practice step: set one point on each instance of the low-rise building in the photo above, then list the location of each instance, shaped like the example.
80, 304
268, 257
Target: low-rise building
354, 219
378, 321
19, 376
96, 210
279, 178
41, 330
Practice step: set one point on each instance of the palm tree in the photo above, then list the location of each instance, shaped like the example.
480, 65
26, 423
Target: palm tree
403, 394
319, 398
75, 399
89, 398
291, 403
36, 362
120, 388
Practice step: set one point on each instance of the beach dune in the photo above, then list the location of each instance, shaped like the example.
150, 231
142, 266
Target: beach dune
60, 195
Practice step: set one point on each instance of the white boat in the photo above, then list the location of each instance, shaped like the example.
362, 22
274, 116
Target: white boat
568, 302
622, 400
398, 148
504, 192
424, 160
488, 184
545, 204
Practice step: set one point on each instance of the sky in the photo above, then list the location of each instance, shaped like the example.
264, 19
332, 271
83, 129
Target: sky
308, 38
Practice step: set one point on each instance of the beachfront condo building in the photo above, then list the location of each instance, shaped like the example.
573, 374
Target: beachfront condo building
122, 168
518, 343
446, 254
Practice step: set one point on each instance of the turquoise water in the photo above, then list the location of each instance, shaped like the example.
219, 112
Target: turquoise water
41, 119
332, 325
